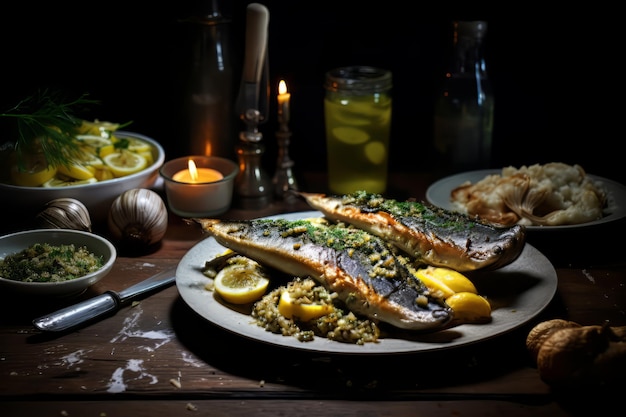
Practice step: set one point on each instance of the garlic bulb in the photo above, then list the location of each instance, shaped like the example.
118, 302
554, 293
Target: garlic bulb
65, 213
138, 217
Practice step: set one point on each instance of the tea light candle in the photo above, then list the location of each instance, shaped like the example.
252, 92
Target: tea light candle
194, 175
195, 190
283, 102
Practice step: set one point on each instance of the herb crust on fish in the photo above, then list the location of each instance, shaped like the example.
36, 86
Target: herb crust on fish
365, 271
428, 234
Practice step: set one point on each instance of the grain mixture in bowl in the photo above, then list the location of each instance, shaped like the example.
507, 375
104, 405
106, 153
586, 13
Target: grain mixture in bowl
43, 262
337, 323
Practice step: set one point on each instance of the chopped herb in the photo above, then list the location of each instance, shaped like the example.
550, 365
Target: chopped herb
43, 262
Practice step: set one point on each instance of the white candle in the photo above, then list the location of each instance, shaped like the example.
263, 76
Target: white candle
283, 103
195, 175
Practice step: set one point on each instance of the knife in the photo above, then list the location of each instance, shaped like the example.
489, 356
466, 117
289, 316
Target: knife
106, 303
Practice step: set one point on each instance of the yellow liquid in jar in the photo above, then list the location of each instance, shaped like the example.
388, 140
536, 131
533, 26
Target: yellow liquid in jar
357, 139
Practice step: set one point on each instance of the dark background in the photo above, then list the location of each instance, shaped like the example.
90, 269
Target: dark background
555, 72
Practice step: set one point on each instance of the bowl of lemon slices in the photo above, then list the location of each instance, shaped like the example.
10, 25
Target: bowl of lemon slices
110, 162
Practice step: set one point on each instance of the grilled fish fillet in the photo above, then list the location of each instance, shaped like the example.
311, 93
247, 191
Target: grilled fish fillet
428, 234
361, 268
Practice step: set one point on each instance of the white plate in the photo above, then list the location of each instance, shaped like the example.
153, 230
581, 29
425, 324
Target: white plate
518, 293
439, 193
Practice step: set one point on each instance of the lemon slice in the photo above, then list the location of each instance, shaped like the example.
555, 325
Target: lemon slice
65, 182
103, 173
89, 159
138, 145
375, 152
125, 163
133, 144
303, 312
469, 307
98, 128
93, 141
446, 280
350, 135
241, 282
76, 170
149, 157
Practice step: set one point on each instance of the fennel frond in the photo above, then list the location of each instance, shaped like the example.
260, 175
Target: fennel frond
47, 123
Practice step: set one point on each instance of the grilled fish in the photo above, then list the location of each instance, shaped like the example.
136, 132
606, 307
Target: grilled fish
361, 268
428, 234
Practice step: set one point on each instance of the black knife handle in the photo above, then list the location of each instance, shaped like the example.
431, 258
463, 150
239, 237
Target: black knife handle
80, 313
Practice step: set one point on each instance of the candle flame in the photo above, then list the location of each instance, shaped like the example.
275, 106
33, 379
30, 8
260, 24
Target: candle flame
193, 171
282, 87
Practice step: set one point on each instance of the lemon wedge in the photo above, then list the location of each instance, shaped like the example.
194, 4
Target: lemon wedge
32, 178
105, 150
469, 307
446, 280
241, 282
125, 163
289, 308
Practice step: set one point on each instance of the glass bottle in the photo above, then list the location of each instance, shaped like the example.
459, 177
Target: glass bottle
463, 122
208, 89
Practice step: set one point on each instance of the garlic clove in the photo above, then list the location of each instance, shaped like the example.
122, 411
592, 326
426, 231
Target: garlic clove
64, 213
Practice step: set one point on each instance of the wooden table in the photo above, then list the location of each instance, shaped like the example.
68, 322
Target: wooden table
161, 358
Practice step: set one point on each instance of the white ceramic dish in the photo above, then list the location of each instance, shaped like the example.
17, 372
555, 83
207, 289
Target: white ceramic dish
16, 242
439, 192
97, 197
518, 293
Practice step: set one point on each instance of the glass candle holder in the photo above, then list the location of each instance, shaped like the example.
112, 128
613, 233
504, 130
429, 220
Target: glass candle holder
208, 193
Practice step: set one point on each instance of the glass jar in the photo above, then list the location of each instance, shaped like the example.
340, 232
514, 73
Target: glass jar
357, 114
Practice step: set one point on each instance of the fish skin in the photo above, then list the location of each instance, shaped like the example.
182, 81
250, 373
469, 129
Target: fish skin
341, 266
426, 233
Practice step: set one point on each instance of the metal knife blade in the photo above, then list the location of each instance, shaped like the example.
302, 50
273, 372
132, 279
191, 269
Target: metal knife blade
105, 303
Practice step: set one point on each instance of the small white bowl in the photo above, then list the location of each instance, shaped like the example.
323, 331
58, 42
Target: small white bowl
16, 242
97, 197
